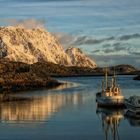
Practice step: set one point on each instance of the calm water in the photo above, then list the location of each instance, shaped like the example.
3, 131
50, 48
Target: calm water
68, 112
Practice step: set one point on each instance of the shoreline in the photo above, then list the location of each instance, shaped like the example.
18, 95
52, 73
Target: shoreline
40, 84
18, 76
25, 82
88, 75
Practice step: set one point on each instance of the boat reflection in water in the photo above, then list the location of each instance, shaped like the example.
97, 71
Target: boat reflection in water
36, 109
133, 121
110, 121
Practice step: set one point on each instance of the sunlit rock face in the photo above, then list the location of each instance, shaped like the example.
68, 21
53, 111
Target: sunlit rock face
36, 45
78, 58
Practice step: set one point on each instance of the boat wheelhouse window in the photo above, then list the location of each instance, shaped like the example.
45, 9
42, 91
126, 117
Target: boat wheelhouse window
138, 101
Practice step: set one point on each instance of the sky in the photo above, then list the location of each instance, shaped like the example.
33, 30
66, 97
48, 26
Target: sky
107, 30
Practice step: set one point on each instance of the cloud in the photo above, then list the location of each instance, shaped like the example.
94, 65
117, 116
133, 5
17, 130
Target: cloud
26, 23
113, 48
134, 53
70, 40
128, 37
30, 23
64, 39
96, 51
106, 45
104, 60
86, 40
117, 47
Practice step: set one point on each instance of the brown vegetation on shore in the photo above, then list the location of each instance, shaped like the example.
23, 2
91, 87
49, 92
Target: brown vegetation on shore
16, 76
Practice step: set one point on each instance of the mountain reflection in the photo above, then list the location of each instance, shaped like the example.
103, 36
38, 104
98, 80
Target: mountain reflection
36, 109
110, 122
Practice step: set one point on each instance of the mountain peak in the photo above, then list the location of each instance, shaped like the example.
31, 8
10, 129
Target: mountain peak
36, 45
80, 59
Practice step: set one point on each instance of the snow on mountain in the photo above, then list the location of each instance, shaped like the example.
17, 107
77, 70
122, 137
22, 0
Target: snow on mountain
78, 58
36, 45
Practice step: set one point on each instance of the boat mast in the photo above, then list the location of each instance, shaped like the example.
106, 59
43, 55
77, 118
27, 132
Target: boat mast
102, 87
106, 79
114, 77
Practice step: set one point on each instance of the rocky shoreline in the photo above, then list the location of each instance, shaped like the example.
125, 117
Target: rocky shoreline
18, 76
55, 70
25, 81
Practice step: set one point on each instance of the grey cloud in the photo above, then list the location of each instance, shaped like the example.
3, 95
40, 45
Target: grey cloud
64, 39
103, 60
109, 50
128, 37
70, 40
85, 40
96, 51
117, 47
121, 47
106, 45
118, 44
135, 53
114, 48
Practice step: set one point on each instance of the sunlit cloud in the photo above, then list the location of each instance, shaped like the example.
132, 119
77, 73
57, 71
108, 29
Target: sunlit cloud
26, 23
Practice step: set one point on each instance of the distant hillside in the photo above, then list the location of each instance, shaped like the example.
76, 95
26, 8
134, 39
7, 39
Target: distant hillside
51, 69
18, 76
46, 69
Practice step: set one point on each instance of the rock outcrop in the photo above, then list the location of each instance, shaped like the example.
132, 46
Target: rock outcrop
78, 58
16, 76
37, 45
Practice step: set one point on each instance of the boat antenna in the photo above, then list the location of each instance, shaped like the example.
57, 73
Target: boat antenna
106, 78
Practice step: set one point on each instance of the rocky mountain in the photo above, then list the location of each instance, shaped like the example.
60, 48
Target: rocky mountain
78, 58
38, 45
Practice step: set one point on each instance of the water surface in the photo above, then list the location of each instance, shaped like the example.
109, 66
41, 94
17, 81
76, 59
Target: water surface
68, 113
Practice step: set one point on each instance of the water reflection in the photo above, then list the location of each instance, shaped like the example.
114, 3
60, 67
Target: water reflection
65, 85
133, 121
36, 109
110, 122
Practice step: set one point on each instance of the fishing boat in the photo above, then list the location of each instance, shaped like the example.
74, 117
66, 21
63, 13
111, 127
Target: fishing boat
110, 94
133, 106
